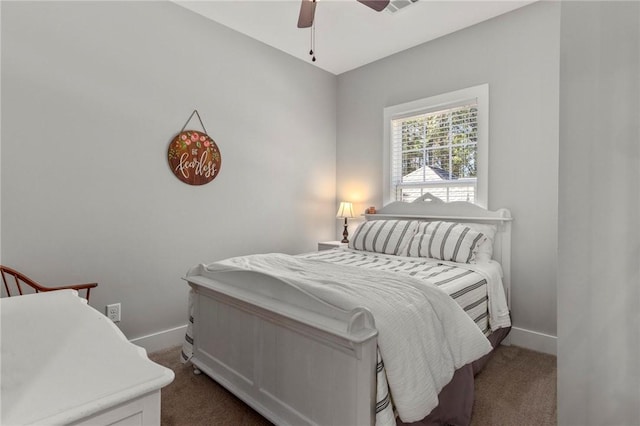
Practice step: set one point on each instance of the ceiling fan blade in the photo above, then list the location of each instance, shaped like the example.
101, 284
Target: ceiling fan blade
376, 5
307, 12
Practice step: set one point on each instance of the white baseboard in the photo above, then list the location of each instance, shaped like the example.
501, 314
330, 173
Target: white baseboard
533, 340
161, 340
527, 339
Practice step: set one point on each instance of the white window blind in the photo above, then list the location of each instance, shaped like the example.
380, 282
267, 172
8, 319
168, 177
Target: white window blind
438, 145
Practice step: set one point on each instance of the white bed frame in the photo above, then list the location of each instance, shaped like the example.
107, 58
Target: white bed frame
292, 357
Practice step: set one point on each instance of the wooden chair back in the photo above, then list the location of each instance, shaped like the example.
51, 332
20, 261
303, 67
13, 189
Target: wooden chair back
16, 283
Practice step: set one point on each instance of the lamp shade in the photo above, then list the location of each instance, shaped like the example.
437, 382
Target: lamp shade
345, 210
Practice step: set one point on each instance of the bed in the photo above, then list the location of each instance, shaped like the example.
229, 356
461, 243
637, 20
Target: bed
388, 331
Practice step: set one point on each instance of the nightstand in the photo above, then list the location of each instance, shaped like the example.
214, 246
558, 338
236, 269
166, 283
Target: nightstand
328, 245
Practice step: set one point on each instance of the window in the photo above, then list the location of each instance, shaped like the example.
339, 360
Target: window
438, 145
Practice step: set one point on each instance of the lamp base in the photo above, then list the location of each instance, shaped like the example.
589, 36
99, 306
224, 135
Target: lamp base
345, 234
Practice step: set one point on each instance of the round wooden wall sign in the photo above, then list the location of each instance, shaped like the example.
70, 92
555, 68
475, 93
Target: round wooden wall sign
194, 157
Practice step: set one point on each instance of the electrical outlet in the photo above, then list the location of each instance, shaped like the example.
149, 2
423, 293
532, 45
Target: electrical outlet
113, 312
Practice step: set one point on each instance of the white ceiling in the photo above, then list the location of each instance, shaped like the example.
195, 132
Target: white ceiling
348, 34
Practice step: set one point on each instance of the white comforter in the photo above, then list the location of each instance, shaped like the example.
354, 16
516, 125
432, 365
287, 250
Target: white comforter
424, 336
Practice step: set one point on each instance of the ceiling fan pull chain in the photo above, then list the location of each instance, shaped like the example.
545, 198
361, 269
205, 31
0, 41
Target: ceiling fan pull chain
313, 41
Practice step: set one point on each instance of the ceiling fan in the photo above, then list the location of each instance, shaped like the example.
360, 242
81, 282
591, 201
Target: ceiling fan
308, 10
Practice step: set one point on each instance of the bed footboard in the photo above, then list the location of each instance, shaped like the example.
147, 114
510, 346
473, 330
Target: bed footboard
290, 356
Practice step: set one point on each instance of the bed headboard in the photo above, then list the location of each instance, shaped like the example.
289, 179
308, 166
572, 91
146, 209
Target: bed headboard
430, 207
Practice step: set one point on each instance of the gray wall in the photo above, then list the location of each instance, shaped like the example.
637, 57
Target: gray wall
93, 92
517, 54
599, 235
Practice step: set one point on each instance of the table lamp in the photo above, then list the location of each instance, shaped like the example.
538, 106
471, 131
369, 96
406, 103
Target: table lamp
345, 211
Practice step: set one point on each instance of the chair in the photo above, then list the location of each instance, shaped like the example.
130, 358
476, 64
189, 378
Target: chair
21, 278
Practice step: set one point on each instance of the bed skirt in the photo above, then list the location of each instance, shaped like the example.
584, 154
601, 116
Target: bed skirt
456, 398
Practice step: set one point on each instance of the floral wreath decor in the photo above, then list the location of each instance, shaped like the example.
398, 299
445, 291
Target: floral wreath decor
194, 157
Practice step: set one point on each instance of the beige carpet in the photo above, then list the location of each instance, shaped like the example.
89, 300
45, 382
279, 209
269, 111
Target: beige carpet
517, 387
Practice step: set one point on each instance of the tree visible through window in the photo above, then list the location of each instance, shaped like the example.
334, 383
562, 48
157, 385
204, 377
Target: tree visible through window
438, 145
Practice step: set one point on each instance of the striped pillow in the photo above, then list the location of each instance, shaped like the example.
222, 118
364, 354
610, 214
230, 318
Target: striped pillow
445, 241
383, 236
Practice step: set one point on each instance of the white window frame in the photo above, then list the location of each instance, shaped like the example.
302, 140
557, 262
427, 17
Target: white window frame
478, 93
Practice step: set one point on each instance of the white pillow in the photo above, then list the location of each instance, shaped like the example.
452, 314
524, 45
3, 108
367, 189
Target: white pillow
445, 241
383, 236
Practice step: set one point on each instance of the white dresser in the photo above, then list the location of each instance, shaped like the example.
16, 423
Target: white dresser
63, 362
